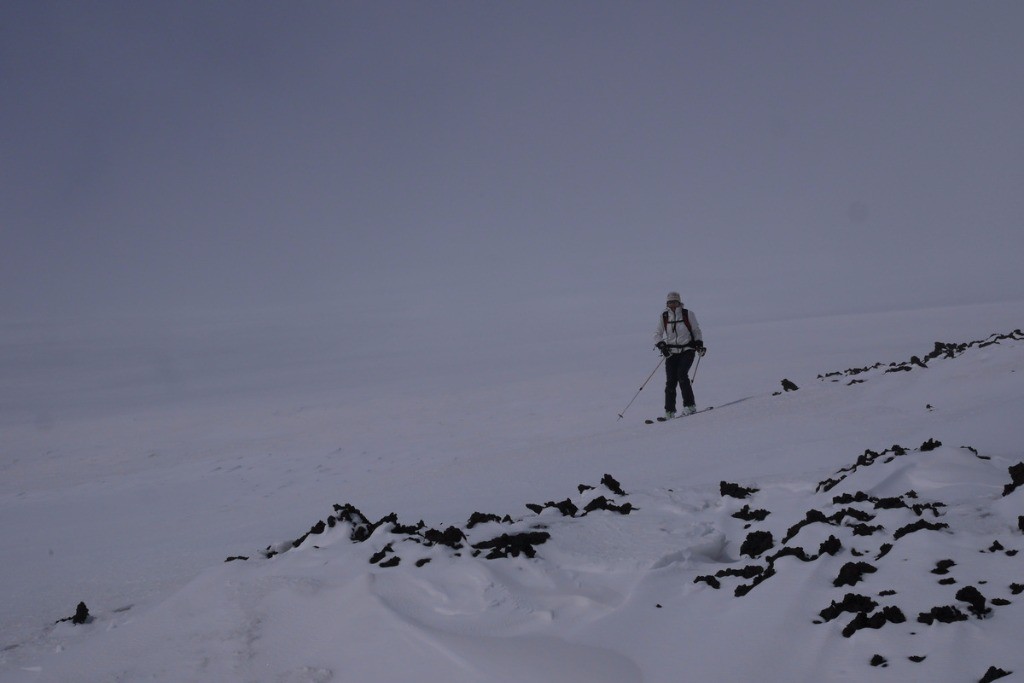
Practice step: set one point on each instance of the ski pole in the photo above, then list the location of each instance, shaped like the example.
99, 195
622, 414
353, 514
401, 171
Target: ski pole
697, 365
642, 386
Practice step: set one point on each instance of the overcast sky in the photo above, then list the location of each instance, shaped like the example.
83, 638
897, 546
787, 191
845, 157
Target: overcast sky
770, 158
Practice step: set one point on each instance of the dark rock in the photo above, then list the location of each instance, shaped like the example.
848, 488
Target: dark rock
856, 514
609, 482
735, 490
380, 554
976, 601
947, 582
917, 659
810, 517
919, 508
423, 561
993, 674
512, 545
393, 562
756, 543
81, 614
1016, 588
789, 386
883, 550
798, 553
709, 580
602, 503
830, 547
481, 518
919, 525
943, 566
236, 557
947, 614
1001, 602
1020, 522
879, 660
584, 487
996, 547
847, 498
748, 515
761, 578
852, 573
930, 445
865, 529
890, 503
451, 537
851, 603
1016, 478
566, 507
748, 572
887, 615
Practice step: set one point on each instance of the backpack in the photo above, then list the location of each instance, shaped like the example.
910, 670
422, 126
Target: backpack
686, 321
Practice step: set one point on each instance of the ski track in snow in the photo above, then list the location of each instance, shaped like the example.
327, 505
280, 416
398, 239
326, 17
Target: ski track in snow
620, 597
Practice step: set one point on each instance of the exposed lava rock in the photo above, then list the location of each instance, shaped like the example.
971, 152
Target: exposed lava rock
756, 543
566, 507
451, 537
609, 482
879, 660
1016, 478
789, 386
973, 597
748, 572
512, 545
919, 525
851, 603
482, 518
993, 673
852, 573
810, 517
602, 503
887, 615
748, 515
709, 580
943, 567
946, 614
735, 490
831, 546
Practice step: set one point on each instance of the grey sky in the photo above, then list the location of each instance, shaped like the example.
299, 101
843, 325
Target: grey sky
796, 157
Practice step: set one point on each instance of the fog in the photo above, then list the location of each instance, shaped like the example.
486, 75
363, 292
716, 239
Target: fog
451, 160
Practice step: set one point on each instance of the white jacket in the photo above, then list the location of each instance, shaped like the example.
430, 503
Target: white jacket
675, 334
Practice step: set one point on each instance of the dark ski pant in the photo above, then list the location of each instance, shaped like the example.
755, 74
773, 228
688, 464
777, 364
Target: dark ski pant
677, 372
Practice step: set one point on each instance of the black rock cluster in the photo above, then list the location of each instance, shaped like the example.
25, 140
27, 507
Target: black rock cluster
509, 544
857, 516
940, 350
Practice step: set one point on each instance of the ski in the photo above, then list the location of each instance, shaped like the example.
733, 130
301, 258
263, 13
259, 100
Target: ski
666, 419
702, 410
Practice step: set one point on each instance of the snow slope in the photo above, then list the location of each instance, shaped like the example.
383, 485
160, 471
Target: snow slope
133, 505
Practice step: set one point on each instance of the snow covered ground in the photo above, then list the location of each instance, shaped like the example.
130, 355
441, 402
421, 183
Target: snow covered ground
135, 460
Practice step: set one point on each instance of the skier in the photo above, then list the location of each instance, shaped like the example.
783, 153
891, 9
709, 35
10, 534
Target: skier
679, 338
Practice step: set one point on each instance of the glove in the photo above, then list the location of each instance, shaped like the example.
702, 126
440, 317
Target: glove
663, 347
701, 349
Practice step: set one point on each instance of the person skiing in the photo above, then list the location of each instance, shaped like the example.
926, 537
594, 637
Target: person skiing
679, 338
